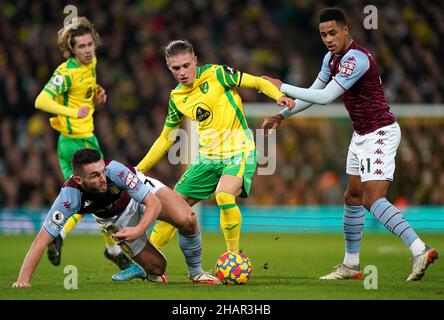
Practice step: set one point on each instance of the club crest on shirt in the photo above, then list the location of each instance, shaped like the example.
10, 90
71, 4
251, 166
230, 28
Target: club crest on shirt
113, 189
202, 114
204, 87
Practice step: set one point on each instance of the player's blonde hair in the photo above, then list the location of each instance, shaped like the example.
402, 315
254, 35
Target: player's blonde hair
176, 47
66, 35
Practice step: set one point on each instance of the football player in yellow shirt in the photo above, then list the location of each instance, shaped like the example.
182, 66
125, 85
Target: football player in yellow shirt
227, 154
70, 95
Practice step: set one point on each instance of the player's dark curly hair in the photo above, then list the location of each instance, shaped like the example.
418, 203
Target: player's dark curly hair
333, 14
176, 47
82, 157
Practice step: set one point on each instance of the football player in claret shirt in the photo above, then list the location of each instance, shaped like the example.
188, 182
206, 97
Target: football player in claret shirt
70, 95
126, 203
350, 72
227, 154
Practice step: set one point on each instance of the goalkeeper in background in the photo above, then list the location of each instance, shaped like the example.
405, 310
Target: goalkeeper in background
70, 95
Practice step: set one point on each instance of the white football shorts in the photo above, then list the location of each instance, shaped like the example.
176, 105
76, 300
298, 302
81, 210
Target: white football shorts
372, 155
130, 217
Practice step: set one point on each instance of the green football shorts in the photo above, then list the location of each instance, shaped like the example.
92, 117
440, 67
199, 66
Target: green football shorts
201, 178
68, 146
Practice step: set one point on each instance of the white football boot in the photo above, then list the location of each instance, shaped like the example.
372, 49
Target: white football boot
343, 272
421, 263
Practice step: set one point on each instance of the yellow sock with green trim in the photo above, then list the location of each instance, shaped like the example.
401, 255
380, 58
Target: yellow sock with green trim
71, 224
111, 246
109, 242
162, 233
230, 220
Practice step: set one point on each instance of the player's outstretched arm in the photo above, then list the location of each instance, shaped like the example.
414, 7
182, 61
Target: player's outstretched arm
267, 88
300, 104
32, 259
158, 149
319, 96
152, 209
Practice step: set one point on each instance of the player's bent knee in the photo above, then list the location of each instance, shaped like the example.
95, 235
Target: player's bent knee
353, 199
189, 224
369, 200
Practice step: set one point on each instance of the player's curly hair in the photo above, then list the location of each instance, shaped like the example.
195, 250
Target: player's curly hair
66, 35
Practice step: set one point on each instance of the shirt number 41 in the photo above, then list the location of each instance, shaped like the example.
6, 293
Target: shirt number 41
367, 162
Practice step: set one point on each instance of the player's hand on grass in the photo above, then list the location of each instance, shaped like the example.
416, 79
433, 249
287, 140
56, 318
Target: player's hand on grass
276, 82
286, 101
129, 233
271, 123
100, 95
21, 284
83, 112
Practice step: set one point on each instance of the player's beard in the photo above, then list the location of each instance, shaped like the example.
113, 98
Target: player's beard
101, 188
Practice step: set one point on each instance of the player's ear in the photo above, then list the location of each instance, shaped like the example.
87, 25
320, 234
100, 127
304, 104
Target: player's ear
77, 179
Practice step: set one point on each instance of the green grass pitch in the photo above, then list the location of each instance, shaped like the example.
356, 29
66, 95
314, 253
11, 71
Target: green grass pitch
285, 266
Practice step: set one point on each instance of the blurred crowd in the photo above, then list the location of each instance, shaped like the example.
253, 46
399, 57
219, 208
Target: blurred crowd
277, 38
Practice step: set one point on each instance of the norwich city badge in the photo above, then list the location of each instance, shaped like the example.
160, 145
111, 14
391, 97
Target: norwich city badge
204, 87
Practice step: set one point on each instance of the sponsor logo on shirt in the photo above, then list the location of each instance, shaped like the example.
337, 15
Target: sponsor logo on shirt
229, 70
347, 67
131, 181
202, 114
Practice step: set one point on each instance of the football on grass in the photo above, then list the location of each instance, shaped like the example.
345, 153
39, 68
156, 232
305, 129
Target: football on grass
233, 268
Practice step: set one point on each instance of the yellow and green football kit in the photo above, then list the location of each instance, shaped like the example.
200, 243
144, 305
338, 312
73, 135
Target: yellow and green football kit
72, 86
226, 144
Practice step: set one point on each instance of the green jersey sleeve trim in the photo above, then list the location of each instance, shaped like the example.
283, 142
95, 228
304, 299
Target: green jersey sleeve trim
201, 70
174, 115
53, 95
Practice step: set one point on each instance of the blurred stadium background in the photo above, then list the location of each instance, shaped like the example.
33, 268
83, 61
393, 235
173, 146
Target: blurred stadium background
276, 38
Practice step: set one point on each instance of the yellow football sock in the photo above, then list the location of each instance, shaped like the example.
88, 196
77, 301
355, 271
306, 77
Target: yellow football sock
71, 224
230, 220
109, 242
162, 233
